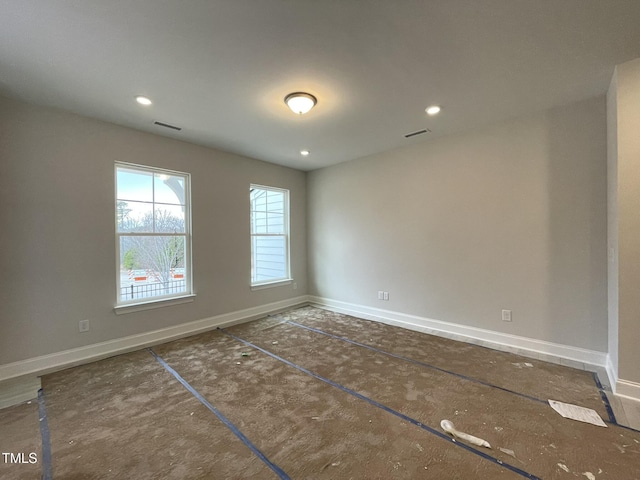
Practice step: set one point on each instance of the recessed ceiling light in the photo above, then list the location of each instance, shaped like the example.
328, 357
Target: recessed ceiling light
433, 110
304, 153
300, 102
143, 100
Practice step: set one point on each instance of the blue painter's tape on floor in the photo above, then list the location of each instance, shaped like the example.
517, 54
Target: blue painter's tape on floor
387, 409
417, 362
612, 419
220, 416
607, 405
47, 472
605, 400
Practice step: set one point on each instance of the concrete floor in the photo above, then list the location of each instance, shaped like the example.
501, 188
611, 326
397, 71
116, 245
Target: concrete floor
315, 394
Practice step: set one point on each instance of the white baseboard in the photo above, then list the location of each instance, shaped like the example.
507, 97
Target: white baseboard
530, 347
626, 388
621, 387
19, 390
44, 364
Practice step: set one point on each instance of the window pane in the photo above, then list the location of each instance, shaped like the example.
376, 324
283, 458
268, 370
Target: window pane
269, 258
134, 217
258, 199
275, 201
275, 223
152, 266
259, 224
169, 219
267, 211
134, 185
169, 189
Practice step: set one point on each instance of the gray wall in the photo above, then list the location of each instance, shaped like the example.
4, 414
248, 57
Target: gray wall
457, 228
57, 229
626, 94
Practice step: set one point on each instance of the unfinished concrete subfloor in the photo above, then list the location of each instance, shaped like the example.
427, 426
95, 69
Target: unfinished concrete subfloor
312, 394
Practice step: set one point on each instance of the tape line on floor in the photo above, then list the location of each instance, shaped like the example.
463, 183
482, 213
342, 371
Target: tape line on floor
416, 362
605, 400
603, 396
404, 417
221, 417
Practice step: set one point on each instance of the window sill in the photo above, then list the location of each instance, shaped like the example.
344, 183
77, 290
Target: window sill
279, 283
166, 302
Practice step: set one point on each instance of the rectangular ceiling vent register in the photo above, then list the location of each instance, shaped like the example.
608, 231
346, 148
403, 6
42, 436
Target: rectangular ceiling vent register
166, 125
419, 132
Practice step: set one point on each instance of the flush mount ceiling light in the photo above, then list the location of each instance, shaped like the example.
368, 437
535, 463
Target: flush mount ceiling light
433, 110
304, 153
300, 102
142, 100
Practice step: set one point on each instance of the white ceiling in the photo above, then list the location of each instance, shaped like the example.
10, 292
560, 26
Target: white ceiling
221, 68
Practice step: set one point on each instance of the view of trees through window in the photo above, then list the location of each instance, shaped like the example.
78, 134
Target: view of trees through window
153, 231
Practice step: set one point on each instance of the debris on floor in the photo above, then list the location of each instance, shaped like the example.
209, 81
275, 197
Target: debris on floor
575, 412
448, 427
522, 365
330, 464
244, 354
507, 451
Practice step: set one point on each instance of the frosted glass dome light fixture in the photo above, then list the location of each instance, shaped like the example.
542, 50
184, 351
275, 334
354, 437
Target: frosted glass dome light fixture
300, 102
433, 110
142, 100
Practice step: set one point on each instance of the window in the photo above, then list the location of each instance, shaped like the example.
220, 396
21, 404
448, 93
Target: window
269, 235
153, 234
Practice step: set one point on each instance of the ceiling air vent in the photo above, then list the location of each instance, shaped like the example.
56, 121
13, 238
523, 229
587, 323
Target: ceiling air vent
419, 132
166, 125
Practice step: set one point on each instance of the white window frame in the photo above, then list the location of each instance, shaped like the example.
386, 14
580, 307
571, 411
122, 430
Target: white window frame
134, 305
286, 279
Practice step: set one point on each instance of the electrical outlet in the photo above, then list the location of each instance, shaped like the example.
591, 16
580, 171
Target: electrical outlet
380, 295
83, 326
506, 315
385, 295
295, 285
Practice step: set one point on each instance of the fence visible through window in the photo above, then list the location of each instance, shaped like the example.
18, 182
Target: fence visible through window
149, 290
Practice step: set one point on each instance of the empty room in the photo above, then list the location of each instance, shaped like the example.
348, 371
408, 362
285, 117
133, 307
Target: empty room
298, 239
